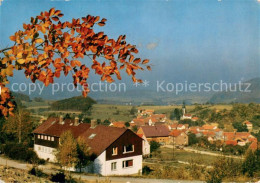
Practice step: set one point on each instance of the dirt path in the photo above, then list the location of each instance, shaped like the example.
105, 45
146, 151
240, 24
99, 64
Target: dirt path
48, 169
188, 149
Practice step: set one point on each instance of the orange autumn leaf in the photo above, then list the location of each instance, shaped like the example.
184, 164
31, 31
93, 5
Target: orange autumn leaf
45, 45
145, 61
12, 38
55, 18
75, 63
137, 61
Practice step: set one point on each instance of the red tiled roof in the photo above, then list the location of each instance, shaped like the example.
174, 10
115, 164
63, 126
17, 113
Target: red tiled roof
174, 125
52, 127
98, 138
152, 119
155, 131
138, 122
193, 130
175, 133
180, 125
242, 134
229, 135
188, 115
217, 130
103, 136
247, 122
158, 116
193, 127
201, 128
209, 133
208, 127
253, 139
183, 125
118, 124
231, 142
195, 118
253, 145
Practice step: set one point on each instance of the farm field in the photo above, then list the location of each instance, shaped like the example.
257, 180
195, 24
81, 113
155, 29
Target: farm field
111, 111
166, 155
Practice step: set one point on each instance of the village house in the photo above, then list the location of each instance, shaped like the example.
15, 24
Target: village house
150, 121
249, 125
159, 117
145, 112
118, 124
209, 127
210, 135
238, 138
118, 151
182, 126
178, 138
212, 132
46, 136
155, 133
186, 116
194, 130
173, 126
138, 122
194, 118
146, 145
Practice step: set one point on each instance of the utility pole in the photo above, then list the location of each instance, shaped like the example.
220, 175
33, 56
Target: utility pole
173, 150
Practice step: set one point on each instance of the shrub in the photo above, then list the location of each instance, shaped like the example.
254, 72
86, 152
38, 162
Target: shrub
154, 146
146, 170
58, 177
37, 172
21, 152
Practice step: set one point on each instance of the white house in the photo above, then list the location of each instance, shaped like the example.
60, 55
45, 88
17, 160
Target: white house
146, 145
118, 151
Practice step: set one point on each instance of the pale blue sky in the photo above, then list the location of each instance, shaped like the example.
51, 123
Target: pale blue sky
193, 40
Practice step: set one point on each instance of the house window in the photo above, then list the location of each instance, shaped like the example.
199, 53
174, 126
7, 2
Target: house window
127, 163
52, 138
39, 136
45, 137
129, 148
113, 166
49, 138
114, 151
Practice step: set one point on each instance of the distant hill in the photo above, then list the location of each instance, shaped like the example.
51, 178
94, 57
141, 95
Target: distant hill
240, 97
74, 103
21, 97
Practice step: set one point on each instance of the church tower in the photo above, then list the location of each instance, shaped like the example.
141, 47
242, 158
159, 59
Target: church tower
183, 108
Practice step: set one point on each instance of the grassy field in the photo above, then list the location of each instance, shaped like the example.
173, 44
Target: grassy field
113, 112
165, 109
184, 156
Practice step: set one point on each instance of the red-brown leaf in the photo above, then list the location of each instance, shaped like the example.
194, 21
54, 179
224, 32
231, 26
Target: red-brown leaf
145, 61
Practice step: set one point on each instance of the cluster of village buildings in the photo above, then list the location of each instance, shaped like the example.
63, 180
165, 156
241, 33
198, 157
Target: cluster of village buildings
156, 127
119, 150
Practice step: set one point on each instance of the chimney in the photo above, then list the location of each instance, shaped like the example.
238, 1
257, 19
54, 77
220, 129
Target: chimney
93, 123
61, 119
76, 121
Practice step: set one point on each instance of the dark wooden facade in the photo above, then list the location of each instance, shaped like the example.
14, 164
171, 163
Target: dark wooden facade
47, 143
126, 138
